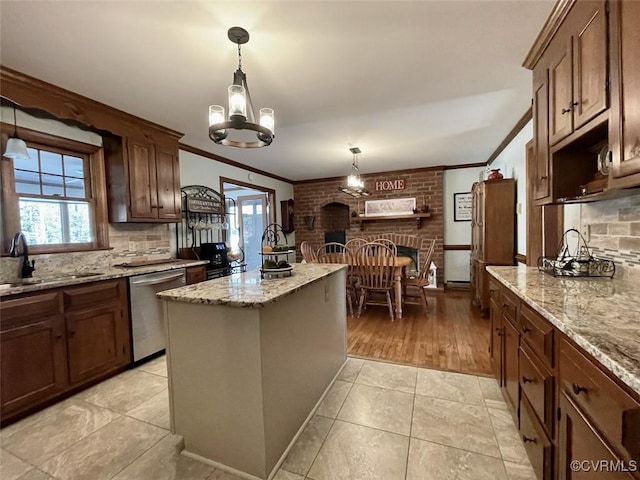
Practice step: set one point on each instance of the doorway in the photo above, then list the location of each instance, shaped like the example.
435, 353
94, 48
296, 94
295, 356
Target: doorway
250, 212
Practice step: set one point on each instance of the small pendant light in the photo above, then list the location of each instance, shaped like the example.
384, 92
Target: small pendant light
16, 148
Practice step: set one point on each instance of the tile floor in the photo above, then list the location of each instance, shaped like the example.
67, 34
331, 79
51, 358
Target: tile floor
378, 421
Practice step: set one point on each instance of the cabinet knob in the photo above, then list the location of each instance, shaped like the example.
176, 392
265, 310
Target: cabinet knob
526, 439
526, 329
578, 389
542, 177
566, 110
527, 380
160, 206
574, 104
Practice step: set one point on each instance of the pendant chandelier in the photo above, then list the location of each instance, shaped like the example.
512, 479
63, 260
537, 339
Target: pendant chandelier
239, 106
16, 147
355, 184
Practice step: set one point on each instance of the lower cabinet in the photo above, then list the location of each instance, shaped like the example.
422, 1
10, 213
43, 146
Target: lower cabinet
567, 407
97, 329
582, 450
57, 340
33, 351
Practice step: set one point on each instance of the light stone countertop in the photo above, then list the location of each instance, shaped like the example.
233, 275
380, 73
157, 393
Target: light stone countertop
104, 273
248, 289
601, 315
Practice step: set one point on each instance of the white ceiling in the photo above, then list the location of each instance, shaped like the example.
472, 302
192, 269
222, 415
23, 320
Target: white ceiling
412, 83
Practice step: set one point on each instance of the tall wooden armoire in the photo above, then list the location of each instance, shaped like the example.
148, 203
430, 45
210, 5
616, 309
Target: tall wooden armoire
492, 233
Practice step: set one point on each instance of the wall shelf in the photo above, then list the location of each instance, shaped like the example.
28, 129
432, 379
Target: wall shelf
414, 216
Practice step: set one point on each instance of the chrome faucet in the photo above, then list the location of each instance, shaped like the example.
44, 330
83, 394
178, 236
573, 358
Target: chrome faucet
27, 268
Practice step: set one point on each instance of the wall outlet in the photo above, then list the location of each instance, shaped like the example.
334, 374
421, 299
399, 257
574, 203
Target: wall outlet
519, 208
586, 232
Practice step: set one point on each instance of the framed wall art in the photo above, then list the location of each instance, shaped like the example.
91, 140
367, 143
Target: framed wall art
390, 206
462, 207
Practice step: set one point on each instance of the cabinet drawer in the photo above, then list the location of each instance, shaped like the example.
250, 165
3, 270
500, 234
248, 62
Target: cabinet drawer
92, 294
15, 311
538, 333
610, 409
196, 274
494, 289
536, 442
509, 302
537, 385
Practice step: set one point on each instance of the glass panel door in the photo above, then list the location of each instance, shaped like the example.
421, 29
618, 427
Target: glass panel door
252, 222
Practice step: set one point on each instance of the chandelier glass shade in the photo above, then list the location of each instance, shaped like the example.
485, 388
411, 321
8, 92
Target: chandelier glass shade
355, 184
232, 131
16, 147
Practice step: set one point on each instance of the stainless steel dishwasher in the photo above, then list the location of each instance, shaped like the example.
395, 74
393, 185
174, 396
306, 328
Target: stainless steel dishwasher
147, 320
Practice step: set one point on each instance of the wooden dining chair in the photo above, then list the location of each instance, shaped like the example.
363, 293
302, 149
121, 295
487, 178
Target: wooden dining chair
308, 252
375, 265
334, 252
388, 243
354, 244
415, 288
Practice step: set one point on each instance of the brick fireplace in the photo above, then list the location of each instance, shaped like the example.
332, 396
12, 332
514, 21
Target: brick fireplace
335, 211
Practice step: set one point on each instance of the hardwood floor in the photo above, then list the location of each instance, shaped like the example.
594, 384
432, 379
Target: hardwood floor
452, 337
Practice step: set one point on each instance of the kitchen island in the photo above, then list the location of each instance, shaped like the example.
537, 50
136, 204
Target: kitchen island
249, 360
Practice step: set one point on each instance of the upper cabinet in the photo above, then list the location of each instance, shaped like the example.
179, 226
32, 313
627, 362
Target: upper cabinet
143, 180
586, 91
141, 157
624, 134
578, 69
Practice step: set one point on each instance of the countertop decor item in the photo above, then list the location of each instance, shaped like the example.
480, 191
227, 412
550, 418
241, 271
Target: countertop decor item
240, 107
495, 174
575, 259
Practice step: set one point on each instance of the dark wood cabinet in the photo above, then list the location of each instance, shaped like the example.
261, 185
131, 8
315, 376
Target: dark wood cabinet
542, 176
538, 446
492, 232
579, 442
286, 214
32, 351
97, 329
196, 274
578, 72
511, 382
57, 341
624, 129
566, 405
143, 180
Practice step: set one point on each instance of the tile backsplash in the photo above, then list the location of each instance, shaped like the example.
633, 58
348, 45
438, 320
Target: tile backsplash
127, 241
615, 233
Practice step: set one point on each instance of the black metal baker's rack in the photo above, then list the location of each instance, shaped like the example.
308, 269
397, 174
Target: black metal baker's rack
205, 219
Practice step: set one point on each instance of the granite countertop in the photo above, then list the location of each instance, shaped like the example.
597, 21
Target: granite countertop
103, 273
599, 314
248, 289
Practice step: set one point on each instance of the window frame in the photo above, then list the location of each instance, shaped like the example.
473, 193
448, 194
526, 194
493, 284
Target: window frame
96, 194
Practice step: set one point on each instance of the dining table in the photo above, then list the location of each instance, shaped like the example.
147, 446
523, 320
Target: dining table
400, 265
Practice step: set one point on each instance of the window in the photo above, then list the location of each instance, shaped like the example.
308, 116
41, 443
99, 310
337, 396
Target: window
56, 197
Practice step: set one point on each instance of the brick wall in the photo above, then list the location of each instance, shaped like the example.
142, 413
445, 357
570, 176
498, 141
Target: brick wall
425, 185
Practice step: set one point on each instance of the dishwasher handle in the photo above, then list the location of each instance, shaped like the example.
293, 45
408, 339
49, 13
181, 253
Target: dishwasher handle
156, 281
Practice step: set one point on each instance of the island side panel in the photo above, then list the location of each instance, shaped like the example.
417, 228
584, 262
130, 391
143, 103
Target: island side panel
304, 345
215, 385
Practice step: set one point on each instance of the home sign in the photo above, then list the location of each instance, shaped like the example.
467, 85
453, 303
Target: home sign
388, 185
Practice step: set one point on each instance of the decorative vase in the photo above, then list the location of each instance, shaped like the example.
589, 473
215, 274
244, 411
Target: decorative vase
495, 174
